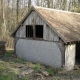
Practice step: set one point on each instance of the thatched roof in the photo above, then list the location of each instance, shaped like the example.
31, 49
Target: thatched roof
66, 24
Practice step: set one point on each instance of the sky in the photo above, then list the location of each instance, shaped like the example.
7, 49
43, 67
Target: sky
33, 2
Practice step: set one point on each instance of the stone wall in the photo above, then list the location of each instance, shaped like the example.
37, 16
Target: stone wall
45, 52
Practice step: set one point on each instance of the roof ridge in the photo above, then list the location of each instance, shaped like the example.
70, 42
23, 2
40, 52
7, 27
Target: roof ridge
56, 10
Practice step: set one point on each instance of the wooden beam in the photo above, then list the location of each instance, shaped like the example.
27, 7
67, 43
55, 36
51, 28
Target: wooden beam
33, 29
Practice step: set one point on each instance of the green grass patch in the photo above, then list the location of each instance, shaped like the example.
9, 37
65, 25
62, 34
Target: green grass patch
37, 67
6, 76
11, 62
9, 53
2, 66
50, 71
25, 78
53, 71
18, 60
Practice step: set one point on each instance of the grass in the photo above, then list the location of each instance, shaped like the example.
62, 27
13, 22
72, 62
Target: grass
37, 67
5, 71
9, 53
12, 60
8, 76
11, 67
18, 60
25, 78
50, 71
7, 67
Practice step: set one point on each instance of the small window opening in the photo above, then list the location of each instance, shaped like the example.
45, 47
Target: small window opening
39, 31
29, 31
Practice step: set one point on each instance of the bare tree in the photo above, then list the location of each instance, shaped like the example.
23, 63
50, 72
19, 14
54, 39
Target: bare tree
64, 5
17, 11
1, 9
29, 4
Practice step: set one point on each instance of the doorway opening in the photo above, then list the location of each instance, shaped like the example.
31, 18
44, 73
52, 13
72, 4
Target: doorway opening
77, 58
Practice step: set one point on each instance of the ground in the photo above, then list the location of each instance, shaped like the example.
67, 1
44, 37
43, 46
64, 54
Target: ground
14, 68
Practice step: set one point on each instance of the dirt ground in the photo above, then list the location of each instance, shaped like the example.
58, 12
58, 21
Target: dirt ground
14, 68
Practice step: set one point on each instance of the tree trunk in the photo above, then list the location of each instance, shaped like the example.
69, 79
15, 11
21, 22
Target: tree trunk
29, 4
2, 10
17, 12
3, 16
